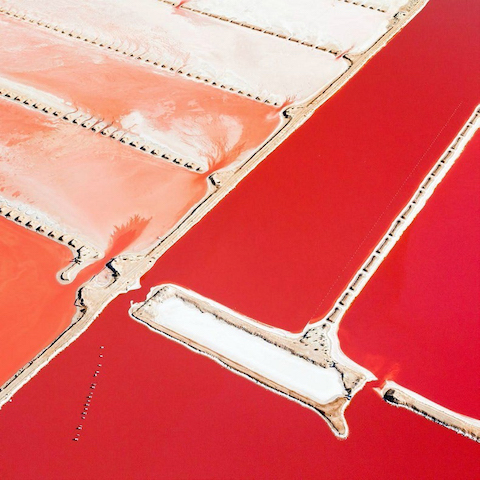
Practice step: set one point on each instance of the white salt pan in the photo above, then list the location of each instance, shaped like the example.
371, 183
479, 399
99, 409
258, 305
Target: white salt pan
322, 385
332, 24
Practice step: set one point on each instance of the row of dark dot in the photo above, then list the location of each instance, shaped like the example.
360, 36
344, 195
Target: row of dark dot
94, 127
364, 5
16, 216
89, 399
269, 32
262, 30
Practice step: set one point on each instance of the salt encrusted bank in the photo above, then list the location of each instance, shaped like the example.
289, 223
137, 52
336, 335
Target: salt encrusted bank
306, 367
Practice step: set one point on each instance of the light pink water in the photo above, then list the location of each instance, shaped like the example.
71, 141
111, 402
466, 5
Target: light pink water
90, 184
260, 64
194, 121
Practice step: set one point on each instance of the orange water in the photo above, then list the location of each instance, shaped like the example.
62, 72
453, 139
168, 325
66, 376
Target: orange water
34, 307
107, 194
111, 196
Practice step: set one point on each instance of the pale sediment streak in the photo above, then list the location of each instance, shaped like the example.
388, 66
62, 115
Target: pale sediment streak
271, 72
55, 107
332, 26
143, 53
24, 215
299, 366
400, 396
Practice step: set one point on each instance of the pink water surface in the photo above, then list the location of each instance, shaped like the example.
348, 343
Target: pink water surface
90, 184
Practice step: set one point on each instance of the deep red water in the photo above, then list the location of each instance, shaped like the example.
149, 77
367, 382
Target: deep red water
280, 248
420, 314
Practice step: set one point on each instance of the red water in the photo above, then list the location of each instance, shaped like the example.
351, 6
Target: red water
284, 244
417, 322
161, 411
89, 184
273, 249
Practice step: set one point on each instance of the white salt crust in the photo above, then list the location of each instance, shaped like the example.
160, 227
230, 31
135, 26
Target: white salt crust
262, 65
322, 385
337, 25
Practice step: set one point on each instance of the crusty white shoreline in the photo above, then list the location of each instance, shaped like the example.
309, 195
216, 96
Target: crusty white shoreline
125, 271
324, 330
399, 396
305, 367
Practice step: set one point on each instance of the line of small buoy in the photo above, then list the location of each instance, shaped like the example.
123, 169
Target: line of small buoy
89, 397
